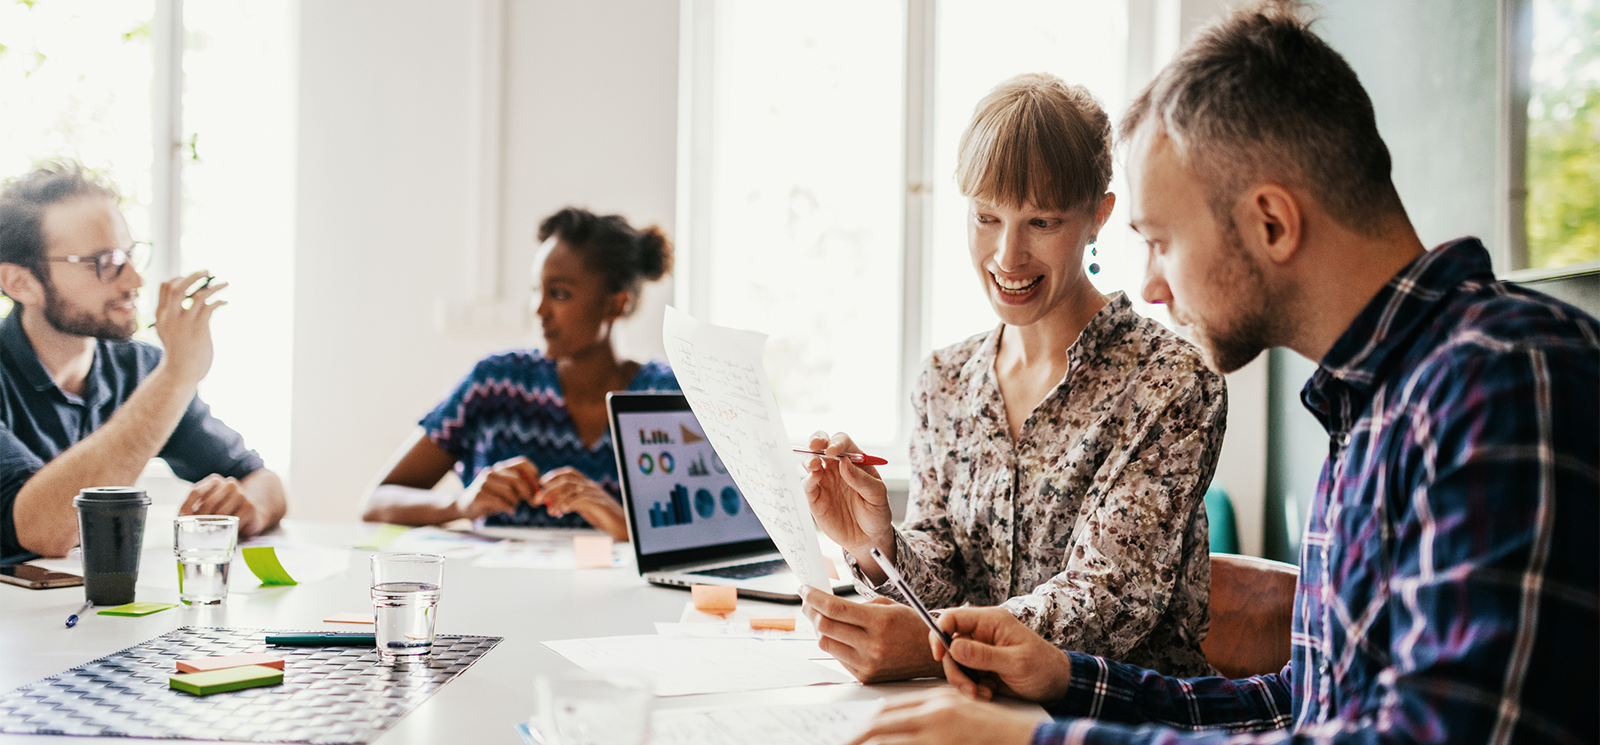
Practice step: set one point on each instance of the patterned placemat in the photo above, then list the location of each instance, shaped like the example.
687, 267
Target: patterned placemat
329, 694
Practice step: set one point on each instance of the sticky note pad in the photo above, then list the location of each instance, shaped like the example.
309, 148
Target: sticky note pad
230, 679
772, 623
592, 551
366, 618
382, 537
715, 598
137, 609
263, 562
207, 664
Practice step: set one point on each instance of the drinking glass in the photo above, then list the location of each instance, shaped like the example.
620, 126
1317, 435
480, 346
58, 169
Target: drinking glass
585, 708
405, 596
204, 546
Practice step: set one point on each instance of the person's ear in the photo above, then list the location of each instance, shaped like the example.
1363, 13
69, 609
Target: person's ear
1102, 213
621, 304
19, 283
1269, 219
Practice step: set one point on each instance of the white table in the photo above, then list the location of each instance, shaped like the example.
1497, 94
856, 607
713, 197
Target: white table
525, 606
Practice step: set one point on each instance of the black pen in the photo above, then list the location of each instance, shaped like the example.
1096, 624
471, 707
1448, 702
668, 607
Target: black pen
202, 286
72, 620
327, 639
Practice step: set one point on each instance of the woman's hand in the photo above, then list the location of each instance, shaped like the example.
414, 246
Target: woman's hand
1020, 663
567, 490
499, 488
943, 716
850, 502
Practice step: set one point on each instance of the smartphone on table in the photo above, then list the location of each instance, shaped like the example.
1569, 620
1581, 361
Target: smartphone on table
37, 578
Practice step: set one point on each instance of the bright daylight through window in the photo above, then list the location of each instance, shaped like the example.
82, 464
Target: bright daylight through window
1563, 215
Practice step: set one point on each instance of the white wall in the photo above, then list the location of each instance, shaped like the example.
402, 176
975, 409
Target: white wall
387, 133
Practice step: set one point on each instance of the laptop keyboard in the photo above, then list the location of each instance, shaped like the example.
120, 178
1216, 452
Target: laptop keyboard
746, 571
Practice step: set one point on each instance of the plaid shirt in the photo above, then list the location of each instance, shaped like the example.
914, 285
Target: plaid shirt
1448, 574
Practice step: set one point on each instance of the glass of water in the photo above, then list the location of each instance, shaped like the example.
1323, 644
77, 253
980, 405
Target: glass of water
585, 708
405, 595
204, 546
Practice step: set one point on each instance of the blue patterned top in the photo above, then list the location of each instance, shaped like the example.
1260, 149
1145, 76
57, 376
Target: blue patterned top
510, 405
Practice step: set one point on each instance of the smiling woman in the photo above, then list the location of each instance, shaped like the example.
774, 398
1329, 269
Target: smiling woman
1060, 459
527, 431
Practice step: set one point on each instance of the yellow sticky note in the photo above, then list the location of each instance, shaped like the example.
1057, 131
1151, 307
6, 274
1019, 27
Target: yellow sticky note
592, 551
263, 561
715, 598
382, 537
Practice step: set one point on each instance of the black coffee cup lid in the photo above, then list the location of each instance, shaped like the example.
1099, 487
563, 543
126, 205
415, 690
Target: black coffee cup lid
111, 494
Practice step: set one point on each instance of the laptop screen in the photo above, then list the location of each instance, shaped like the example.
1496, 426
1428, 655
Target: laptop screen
679, 494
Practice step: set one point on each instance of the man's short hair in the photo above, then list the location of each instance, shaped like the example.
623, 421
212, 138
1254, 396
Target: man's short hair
24, 199
1257, 97
1036, 139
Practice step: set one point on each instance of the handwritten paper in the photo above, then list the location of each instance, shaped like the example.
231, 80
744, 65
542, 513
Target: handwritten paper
721, 374
813, 724
682, 666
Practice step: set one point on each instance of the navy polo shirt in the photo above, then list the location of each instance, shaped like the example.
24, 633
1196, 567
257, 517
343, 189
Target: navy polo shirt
39, 421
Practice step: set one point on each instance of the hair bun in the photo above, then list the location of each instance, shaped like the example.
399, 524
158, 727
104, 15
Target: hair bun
655, 253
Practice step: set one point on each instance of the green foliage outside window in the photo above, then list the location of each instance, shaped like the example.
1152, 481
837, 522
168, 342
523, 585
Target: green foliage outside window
1563, 213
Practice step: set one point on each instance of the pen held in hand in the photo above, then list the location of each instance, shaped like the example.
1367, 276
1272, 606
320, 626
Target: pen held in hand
860, 459
203, 285
900, 583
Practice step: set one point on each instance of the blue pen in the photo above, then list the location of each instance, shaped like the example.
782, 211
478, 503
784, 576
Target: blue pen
72, 620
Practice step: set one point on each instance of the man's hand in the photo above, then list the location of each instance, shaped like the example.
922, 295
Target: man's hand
850, 502
566, 489
221, 495
1021, 663
499, 488
943, 717
876, 641
186, 332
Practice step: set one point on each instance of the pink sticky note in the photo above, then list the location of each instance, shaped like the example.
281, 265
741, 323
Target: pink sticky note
365, 618
592, 551
205, 664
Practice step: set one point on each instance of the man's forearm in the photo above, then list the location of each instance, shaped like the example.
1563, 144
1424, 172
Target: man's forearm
113, 455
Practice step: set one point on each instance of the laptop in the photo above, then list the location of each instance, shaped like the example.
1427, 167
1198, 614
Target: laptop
688, 521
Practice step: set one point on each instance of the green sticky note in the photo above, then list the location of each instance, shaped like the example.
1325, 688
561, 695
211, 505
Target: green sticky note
263, 561
137, 609
382, 537
230, 679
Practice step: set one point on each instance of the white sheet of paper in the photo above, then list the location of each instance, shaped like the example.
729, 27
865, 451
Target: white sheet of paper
805, 724
683, 666
721, 373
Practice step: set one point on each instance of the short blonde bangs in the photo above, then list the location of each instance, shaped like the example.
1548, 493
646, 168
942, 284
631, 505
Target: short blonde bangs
1036, 140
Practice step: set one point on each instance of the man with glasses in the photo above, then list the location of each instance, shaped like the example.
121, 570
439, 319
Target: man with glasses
81, 404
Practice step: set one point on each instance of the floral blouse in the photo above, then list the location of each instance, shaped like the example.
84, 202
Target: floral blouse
1090, 527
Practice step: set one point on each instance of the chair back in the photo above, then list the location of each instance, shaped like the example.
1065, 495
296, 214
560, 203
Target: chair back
1252, 607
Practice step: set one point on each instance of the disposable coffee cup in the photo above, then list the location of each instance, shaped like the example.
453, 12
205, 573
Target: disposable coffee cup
111, 532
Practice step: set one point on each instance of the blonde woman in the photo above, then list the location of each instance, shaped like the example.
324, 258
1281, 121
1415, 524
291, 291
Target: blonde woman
1060, 459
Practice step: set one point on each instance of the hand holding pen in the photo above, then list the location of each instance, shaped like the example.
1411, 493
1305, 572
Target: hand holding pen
183, 320
849, 500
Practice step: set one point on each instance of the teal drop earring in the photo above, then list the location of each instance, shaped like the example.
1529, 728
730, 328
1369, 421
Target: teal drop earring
1094, 266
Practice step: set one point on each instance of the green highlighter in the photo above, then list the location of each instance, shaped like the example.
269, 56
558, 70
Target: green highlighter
229, 679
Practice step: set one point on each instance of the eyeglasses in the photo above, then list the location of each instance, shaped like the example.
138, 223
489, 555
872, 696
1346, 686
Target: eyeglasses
108, 264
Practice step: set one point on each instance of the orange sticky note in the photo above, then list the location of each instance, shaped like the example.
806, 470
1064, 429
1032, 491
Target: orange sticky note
715, 598
207, 664
772, 623
833, 571
366, 618
592, 551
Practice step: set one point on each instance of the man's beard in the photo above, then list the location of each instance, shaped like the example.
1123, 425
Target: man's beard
1229, 344
68, 320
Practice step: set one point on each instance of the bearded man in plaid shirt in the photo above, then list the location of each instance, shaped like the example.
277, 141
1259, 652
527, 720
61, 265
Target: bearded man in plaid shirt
1448, 574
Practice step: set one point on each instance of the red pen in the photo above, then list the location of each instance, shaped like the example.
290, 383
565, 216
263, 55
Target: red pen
860, 459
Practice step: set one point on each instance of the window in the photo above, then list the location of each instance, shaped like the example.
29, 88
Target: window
1563, 134
79, 82
803, 172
